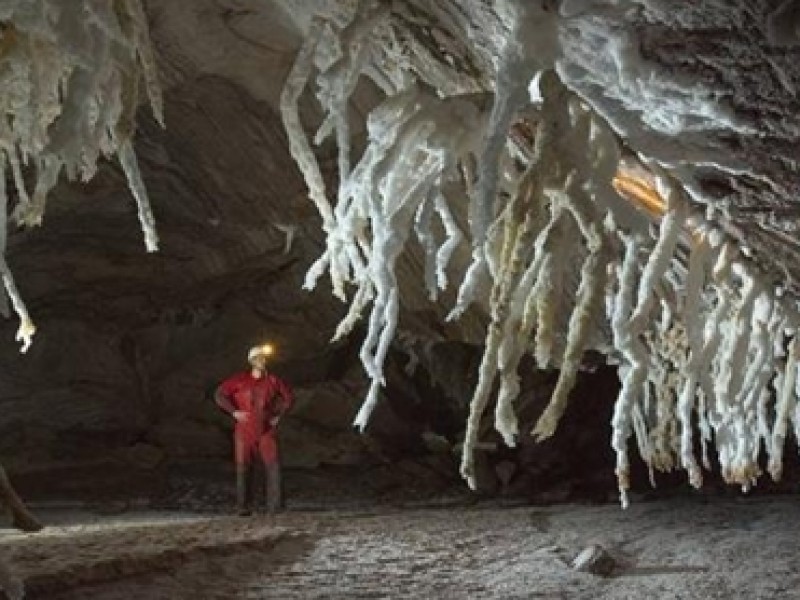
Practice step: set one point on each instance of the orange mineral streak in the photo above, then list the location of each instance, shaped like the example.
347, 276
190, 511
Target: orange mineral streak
640, 193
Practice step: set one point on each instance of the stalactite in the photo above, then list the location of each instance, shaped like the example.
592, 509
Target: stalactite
785, 405
635, 372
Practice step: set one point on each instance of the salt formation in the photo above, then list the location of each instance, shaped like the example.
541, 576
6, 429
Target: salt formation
702, 339
69, 86
416, 142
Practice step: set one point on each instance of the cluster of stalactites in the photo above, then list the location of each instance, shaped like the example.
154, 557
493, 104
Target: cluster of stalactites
561, 189
70, 75
564, 257
719, 354
417, 142
704, 346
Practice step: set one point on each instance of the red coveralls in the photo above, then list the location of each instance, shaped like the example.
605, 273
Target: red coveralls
263, 399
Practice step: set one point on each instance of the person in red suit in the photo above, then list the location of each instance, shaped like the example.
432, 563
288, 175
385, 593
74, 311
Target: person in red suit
256, 400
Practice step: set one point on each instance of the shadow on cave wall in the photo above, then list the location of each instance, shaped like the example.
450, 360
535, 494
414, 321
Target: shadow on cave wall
429, 406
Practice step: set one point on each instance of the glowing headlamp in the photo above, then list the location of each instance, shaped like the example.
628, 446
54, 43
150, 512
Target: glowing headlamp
265, 350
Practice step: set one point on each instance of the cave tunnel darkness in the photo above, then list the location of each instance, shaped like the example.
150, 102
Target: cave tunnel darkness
504, 307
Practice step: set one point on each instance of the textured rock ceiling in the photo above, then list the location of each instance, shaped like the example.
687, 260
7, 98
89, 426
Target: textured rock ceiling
715, 96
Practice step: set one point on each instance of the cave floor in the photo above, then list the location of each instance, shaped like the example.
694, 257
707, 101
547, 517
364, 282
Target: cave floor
679, 548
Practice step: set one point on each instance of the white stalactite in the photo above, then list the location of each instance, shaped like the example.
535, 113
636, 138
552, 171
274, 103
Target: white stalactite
127, 159
698, 263
26, 327
785, 406
657, 264
635, 357
590, 294
454, 238
301, 151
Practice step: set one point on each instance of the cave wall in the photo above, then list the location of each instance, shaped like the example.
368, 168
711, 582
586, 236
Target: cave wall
130, 343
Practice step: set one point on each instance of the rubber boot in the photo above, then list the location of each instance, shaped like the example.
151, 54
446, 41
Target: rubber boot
274, 492
243, 490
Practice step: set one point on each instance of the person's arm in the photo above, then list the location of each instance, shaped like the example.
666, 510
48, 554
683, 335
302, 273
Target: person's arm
284, 392
287, 396
223, 398
223, 401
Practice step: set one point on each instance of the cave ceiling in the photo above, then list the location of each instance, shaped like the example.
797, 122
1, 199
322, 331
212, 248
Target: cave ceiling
716, 99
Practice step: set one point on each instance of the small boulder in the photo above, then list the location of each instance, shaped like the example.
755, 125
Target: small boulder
596, 560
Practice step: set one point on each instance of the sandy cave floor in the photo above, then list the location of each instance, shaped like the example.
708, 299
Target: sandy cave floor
679, 548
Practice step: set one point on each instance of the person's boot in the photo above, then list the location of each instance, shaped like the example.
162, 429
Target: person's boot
274, 491
242, 491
